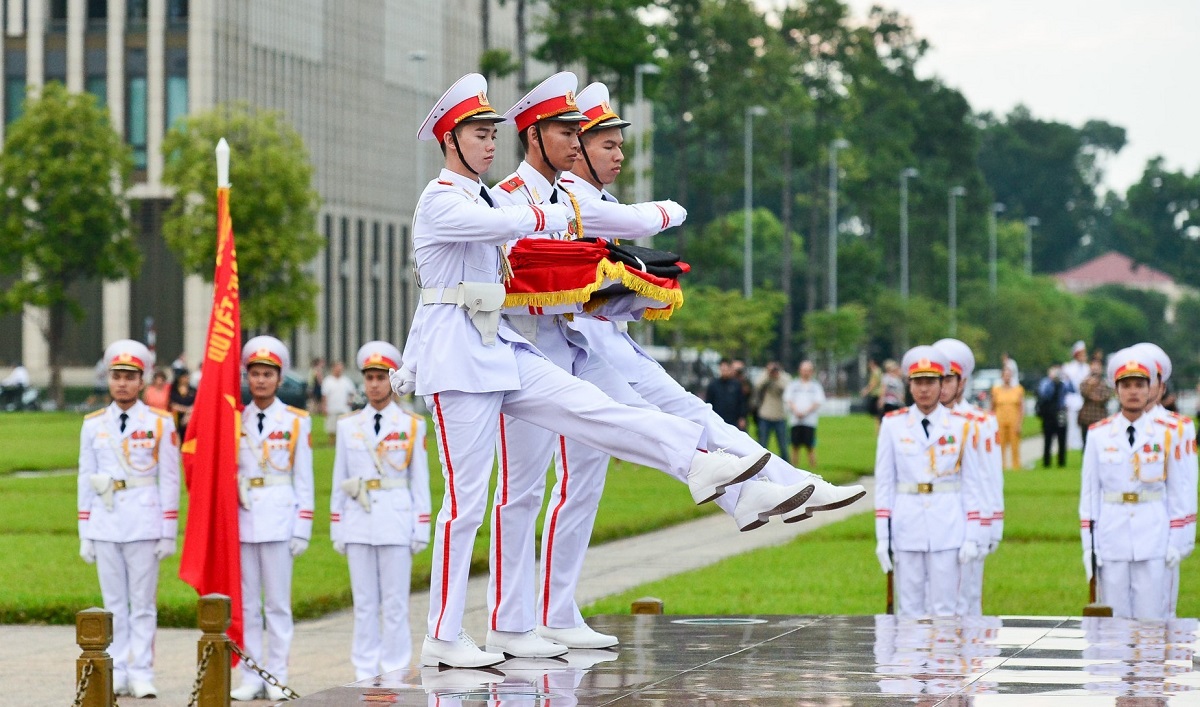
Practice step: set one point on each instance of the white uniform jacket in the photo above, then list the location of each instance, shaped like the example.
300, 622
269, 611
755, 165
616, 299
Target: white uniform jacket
391, 468
988, 441
128, 481
931, 488
456, 235
1135, 498
604, 217
1185, 428
275, 475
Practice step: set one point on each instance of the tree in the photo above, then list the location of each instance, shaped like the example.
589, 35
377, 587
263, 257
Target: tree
606, 36
725, 321
273, 206
64, 172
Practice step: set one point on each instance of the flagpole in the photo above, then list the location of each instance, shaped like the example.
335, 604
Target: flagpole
222, 164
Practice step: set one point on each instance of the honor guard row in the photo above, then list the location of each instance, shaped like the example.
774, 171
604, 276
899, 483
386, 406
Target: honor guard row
513, 385
1137, 504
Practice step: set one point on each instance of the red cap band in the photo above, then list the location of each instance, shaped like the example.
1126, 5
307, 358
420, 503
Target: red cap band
546, 109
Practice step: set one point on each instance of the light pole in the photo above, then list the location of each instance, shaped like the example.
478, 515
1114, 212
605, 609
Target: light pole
1030, 223
831, 298
640, 179
955, 193
997, 208
905, 175
418, 57
747, 202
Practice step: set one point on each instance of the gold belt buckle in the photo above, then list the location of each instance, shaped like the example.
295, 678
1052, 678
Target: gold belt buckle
257, 482
924, 488
374, 484
1129, 497
118, 484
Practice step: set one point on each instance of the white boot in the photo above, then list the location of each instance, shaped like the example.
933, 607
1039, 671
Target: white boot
523, 644
249, 691
826, 497
711, 472
759, 500
582, 636
459, 653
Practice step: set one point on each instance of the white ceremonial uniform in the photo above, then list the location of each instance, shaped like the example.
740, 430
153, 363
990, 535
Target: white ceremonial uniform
1130, 497
931, 489
1186, 430
467, 384
970, 596
379, 505
275, 480
128, 500
1076, 372
526, 449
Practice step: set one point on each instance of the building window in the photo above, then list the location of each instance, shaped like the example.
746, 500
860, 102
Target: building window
14, 84
96, 82
389, 269
98, 87
135, 109
135, 10
344, 290
328, 286
97, 9
360, 256
177, 87
58, 16
177, 10
376, 273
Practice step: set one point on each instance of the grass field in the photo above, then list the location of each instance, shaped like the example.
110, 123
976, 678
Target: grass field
44, 581
1037, 570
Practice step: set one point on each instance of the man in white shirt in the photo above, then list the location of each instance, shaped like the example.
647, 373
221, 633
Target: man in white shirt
337, 390
1075, 370
803, 399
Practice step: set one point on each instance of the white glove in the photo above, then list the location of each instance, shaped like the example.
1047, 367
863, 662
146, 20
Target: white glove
420, 538
559, 217
339, 547
1087, 564
675, 212
1174, 557
403, 381
881, 552
87, 550
418, 545
297, 546
968, 552
165, 548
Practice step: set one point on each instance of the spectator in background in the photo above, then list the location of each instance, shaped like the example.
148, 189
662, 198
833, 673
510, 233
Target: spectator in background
158, 394
1008, 402
726, 396
1007, 361
99, 396
316, 377
179, 365
338, 391
1096, 392
1075, 371
748, 393
872, 390
891, 388
804, 397
183, 397
1052, 408
772, 415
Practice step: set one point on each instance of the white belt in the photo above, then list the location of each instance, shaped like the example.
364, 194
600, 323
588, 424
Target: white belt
245, 483
944, 487
1130, 497
384, 484
135, 482
482, 300
439, 295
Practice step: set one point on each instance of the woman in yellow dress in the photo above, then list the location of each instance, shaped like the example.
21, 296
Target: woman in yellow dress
1008, 402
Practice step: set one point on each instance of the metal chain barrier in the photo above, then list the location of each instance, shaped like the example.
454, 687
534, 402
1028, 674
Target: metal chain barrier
201, 671
268, 678
84, 679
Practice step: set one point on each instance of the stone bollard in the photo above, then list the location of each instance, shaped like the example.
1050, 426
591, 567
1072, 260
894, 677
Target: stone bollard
212, 613
647, 605
93, 633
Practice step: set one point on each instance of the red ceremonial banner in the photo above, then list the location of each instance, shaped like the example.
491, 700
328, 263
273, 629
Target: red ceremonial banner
211, 554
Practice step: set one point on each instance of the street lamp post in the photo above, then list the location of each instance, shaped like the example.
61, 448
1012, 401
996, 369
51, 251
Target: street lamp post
418, 57
955, 193
748, 202
997, 208
832, 297
905, 175
641, 180
1030, 223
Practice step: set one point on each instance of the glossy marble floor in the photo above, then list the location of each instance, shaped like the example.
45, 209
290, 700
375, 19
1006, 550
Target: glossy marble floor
827, 661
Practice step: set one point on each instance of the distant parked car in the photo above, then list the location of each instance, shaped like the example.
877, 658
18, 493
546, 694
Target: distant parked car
980, 392
292, 391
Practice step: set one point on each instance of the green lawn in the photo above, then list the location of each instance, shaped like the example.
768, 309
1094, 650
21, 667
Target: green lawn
45, 581
1037, 570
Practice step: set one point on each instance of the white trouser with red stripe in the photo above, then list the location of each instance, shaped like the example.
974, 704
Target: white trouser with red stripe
129, 584
380, 576
575, 497
266, 591
467, 427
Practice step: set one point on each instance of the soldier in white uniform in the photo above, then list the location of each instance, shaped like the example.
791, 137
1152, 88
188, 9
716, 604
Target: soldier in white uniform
471, 368
379, 513
275, 493
129, 510
962, 365
1133, 486
1075, 370
1185, 430
929, 489
780, 490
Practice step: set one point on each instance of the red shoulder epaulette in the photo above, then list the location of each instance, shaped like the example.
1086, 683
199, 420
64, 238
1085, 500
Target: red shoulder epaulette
894, 413
443, 181
1181, 418
1105, 421
960, 413
564, 180
511, 185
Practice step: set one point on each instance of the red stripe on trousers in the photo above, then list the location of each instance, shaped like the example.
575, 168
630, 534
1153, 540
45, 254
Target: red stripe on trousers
437, 406
562, 447
497, 532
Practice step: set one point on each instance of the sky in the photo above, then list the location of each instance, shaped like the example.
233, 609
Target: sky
1132, 63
